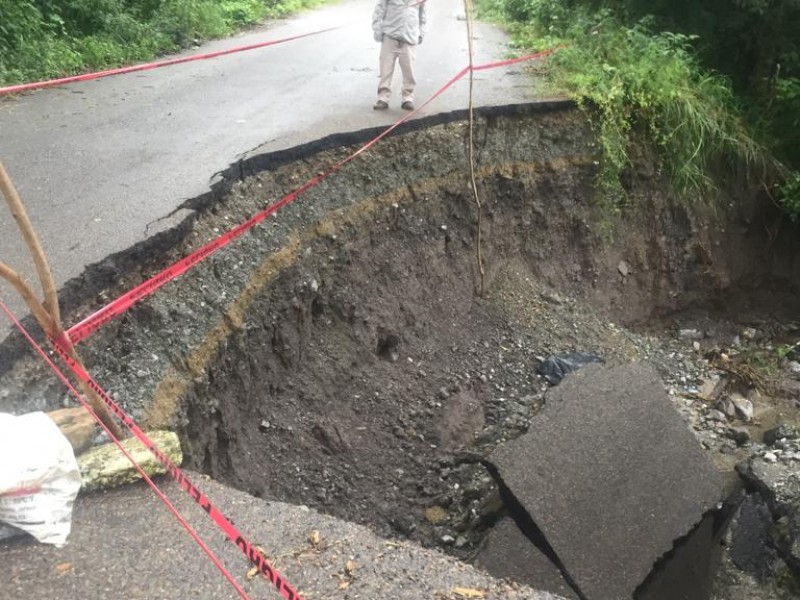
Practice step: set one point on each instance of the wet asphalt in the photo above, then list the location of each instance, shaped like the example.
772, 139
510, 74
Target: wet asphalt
103, 165
125, 544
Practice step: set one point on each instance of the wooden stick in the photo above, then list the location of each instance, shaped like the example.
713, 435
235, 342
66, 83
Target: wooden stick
34, 245
29, 296
469, 8
49, 314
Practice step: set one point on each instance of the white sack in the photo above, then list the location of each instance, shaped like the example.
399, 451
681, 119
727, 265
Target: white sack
39, 477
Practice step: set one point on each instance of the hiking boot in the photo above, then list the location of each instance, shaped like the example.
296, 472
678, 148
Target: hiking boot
381, 105
407, 105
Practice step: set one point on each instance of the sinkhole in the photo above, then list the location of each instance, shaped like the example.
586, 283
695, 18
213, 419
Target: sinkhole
365, 352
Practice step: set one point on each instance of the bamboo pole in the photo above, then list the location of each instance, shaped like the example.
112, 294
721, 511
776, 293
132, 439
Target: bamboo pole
469, 8
34, 245
47, 314
29, 296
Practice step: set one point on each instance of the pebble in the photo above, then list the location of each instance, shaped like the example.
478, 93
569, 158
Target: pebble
770, 457
794, 367
716, 415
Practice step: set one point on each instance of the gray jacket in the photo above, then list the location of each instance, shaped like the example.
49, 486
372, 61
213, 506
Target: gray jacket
402, 20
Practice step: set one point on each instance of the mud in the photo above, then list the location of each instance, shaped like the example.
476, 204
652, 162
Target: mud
339, 356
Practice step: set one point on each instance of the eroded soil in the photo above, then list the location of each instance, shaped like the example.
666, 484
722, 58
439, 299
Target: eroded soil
341, 356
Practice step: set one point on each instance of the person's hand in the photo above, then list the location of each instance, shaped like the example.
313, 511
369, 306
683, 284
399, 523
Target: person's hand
420, 40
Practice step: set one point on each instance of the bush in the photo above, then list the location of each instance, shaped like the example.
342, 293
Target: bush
633, 80
187, 21
789, 197
243, 12
20, 21
41, 39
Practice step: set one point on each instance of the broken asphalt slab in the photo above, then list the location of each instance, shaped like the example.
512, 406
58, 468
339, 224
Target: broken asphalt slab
611, 476
125, 544
509, 554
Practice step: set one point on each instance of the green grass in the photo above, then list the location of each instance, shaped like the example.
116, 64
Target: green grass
42, 39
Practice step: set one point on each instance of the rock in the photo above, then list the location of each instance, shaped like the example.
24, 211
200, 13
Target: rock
710, 388
778, 484
717, 415
436, 515
77, 425
462, 420
744, 408
623, 268
740, 436
770, 457
448, 540
727, 407
793, 367
750, 546
635, 483
780, 432
106, 467
690, 334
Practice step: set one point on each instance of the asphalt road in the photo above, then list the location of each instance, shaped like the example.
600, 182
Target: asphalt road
102, 165
124, 544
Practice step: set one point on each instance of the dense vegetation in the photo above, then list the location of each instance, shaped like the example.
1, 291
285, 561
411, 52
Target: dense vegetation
706, 80
50, 38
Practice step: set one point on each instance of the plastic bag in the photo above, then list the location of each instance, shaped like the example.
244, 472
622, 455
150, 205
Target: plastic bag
39, 477
555, 368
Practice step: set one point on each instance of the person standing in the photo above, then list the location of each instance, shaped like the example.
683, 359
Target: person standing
400, 26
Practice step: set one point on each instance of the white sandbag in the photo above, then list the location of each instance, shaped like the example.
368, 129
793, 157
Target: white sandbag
39, 477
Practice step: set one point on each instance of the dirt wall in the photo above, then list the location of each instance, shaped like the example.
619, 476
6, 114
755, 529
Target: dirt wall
536, 167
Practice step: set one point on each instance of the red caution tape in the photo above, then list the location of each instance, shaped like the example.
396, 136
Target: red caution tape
24, 87
92, 323
171, 507
228, 528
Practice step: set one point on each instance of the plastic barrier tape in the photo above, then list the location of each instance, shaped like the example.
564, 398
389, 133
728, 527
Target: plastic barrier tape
92, 323
228, 528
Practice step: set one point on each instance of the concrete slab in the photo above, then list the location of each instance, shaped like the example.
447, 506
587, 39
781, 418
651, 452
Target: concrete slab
611, 475
509, 554
125, 544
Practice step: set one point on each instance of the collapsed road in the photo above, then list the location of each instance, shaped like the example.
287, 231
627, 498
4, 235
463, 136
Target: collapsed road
108, 164
339, 358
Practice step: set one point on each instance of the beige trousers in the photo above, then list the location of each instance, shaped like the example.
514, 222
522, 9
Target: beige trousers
393, 51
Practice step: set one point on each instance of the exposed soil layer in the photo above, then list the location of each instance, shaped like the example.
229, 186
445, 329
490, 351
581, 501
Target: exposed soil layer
340, 355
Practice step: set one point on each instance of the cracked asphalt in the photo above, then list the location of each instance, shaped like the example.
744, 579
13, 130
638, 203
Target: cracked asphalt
125, 544
103, 165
